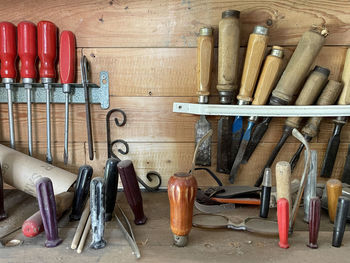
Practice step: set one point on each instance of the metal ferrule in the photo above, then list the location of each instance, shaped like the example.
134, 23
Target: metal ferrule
66, 88
340, 119
277, 52
253, 118
46, 80
231, 13
206, 31
322, 70
203, 99
180, 241
267, 178
27, 81
7, 81
260, 30
225, 97
243, 102
277, 101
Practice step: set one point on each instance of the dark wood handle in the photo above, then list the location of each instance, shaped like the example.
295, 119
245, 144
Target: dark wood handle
314, 221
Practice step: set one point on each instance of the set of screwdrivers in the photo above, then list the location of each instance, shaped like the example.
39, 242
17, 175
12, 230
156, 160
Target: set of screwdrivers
30, 42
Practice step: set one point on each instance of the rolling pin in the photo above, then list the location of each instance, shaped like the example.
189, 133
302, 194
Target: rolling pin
283, 175
334, 190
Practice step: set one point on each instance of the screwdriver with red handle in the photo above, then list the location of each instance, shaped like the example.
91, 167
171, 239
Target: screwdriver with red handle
26, 34
8, 54
67, 75
47, 51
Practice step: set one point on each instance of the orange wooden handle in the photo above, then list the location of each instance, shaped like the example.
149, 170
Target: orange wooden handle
334, 190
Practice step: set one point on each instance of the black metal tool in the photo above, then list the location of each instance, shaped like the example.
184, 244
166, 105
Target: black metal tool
346, 171
265, 194
340, 220
111, 184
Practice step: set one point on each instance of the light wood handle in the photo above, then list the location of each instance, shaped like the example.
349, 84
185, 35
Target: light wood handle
255, 54
334, 190
345, 78
205, 52
81, 225
311, 90
328, 96
298, 67
283, 175
268, 77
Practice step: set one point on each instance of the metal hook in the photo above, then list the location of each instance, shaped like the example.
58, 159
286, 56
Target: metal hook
110, 144
149, 176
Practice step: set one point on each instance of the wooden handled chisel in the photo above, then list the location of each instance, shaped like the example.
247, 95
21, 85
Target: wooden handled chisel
311, 90
328, 96
334, 141
256, 48
267, 80
205, 51
229, 43
291, 80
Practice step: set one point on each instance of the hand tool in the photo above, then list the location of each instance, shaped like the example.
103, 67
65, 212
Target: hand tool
33, 226
84, 236
255, 54
111, 184
237, 200
265, 194
215, 208
346, 172
250, 224
8, 54
82, 188
328, 97
324, 197
125, 227
267, 80
84, 66
291, 80
283, 175
282, 219
81, 225
47, 51
334, 190
182, 188
205, 56
343, 207
228, 51
97, 212
3, 214
311, 90
294, 186
47, 205
132, 191
26, 35
67, 76
314, 221
229, 191
310, 188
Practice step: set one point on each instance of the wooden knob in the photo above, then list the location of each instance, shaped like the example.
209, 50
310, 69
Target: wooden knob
345, 78
283, 174
334, 190
311, 90
182, 188
255, 54
205, 52
268, 77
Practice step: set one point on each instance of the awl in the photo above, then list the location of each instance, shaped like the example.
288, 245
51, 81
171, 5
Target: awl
205, 52
291, 80
256, 48
267, 80
229, 43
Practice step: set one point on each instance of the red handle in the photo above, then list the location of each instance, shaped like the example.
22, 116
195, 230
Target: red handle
283, 221
67, 57
8, 50
26, 32
47, 48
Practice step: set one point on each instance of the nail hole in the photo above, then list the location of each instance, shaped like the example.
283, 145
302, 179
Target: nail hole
104, 81
150, 93
269, 22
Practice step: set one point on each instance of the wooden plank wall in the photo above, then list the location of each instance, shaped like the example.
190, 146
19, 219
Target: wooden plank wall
149, 49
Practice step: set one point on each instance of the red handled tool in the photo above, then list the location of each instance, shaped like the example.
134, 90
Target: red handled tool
283, 221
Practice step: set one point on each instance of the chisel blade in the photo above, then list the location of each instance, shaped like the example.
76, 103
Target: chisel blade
331, 155
203, 156
224, 145
237, 133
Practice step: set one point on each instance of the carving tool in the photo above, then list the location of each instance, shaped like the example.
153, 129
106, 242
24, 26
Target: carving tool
205, 52
182, 188
339, 122
47, 51
328, 96
81, 226
256, 48
291, 80
8, 54
27, 52
229, 43
67, 75
282, 219
340, 220
334, 190
265, 194
267, 80
311, 90
314, 221
310, 188
111, 184
3, 214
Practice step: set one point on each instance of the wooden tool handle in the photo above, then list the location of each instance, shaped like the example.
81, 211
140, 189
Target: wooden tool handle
328, 96
229, 43
255, 54
312, 88
268, 77
298, 67
334, 190
345, 78
205, 52
283, 220
283, 174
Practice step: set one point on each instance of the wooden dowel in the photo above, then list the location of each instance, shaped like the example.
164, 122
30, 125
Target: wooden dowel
85, 233
81, 225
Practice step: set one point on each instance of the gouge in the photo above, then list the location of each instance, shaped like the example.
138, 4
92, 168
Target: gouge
291, 80
229, 43
256, 48
340, 220
205, 52
334, 190
8, 54
27, 52
267, 80
265, 194
328, 96
334, 141
311, 90
310, 187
